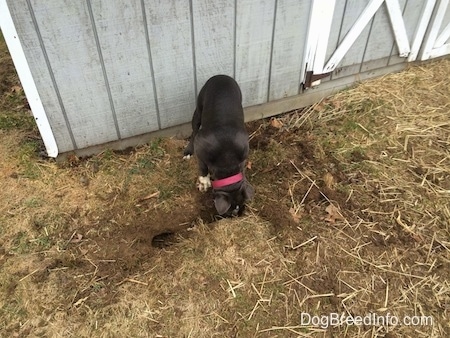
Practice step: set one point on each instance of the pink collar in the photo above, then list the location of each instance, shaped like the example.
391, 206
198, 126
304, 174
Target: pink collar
227, 181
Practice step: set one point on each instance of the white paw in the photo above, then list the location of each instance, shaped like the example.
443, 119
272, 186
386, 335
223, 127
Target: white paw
187, 157
203, 183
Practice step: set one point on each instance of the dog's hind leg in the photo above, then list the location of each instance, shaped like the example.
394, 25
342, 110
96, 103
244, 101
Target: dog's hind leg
196, 123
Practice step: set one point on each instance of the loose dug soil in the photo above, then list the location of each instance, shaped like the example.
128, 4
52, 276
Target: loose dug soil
350, 216
124, 237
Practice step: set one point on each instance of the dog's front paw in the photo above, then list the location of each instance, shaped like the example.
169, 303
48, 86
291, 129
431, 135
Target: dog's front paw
203, 183
187, 157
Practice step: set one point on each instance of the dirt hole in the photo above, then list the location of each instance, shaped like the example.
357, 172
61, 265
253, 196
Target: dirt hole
164, 240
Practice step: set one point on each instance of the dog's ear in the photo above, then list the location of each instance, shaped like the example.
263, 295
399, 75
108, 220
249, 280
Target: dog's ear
222, 203
248, 190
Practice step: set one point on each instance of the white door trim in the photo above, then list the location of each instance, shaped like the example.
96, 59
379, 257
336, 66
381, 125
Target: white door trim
397, 22
320, 20
320, 25
443, 37
435, 44
421, 29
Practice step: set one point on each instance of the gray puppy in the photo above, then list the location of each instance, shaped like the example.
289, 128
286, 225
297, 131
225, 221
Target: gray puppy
220, 142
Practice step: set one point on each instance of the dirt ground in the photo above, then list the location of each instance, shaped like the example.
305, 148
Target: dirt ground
351, 216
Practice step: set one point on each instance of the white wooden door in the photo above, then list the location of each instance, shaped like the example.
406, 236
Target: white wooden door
407, 41
437, 43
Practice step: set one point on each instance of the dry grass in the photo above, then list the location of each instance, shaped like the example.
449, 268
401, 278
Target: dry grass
351, 216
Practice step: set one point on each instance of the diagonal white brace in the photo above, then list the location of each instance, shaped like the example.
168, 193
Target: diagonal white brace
398, 26
353, 34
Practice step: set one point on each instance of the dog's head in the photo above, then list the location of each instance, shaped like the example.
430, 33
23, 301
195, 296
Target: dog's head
231, 202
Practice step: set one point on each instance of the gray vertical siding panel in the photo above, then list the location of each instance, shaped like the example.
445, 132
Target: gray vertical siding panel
41, 73
445, 21
68, 38
150, 62
290, 33
351, 63
102, 65
121, 35
254, 24
214, 38
380, 41
194, 60
272, 42
169, 30
235, 38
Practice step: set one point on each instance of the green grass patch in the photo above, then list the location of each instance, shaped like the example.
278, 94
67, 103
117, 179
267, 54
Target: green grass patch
27, 152
18, 121
23, 244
